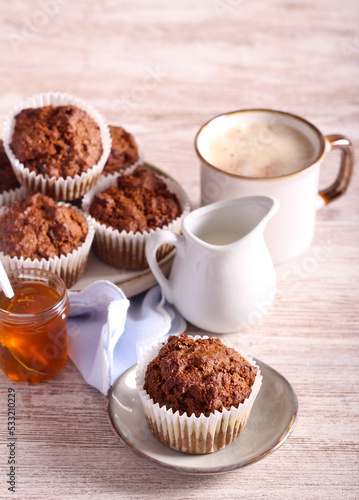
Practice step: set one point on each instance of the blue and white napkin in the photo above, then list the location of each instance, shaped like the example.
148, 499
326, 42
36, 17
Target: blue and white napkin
107, 332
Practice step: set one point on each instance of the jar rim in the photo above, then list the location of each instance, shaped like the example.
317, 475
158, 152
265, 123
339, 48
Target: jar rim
35, 275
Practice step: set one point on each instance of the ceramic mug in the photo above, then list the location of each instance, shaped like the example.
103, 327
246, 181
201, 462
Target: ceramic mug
222, 278
291, 231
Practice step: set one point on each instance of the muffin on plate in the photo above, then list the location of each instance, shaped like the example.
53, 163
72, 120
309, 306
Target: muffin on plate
197, 392
10, 188
127, 209
124, 151
57, 144
35, 231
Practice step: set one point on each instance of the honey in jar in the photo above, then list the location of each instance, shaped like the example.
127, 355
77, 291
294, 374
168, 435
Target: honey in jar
33, 326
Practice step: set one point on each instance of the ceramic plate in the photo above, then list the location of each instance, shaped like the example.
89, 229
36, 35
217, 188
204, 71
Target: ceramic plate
131, 282
270, 423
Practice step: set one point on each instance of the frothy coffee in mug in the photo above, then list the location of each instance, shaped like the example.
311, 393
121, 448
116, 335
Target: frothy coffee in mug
261, 150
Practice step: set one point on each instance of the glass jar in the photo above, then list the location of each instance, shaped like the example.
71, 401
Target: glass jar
33, 326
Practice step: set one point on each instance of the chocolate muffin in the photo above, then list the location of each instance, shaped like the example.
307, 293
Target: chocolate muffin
196, 392
128, 209
8, 179
35, 231
199, 376
124, 151
36, 227
56, 141
141, 201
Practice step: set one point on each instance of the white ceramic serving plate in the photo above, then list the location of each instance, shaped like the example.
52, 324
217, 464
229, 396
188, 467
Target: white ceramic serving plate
270, 423
131, 282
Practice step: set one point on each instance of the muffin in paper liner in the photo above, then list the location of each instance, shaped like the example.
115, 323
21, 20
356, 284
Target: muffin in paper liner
194, 435
127, 249
129, 168
69, 267
7, 197
62, 189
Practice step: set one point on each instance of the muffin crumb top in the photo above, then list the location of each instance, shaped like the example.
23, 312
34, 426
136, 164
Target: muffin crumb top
37, 227
56, 141
198, 376
139, 202
124, 151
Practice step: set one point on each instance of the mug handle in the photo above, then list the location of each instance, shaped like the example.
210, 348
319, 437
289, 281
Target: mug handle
339, 186
154, 242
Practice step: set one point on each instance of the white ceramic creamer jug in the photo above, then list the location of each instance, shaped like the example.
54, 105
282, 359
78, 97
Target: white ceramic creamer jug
222, 279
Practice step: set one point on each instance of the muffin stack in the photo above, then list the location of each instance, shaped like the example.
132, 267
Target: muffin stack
61, 167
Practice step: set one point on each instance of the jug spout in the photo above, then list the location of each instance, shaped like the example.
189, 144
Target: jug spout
270, 208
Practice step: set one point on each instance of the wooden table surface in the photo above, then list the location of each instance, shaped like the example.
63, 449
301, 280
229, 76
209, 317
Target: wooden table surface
161, 69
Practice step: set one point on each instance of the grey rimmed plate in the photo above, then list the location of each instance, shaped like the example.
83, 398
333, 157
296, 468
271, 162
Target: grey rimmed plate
271, 421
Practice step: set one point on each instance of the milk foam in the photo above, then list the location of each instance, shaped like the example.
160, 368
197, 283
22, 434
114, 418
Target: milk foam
261, 150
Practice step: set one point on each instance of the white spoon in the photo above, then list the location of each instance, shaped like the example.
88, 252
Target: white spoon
5, 283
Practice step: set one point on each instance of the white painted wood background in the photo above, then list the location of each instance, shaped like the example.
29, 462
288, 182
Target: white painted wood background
162, 69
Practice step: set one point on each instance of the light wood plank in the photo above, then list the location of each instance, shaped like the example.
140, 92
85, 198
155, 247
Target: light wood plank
206, 58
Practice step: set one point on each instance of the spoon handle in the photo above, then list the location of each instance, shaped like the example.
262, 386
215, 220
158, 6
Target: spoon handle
5, 283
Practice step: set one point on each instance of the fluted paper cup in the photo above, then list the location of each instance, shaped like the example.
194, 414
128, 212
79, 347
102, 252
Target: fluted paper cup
61, 189
11, 195
194, 435
127, 249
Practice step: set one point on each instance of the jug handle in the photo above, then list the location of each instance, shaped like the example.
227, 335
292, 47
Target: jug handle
154, 242
341, 183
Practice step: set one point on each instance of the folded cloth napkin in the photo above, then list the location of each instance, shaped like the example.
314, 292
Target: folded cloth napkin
107, 332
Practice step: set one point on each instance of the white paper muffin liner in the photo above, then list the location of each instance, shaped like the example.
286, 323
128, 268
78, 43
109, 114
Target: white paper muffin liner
127, 249
7, 197
62, 189
69, 267
194, 435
